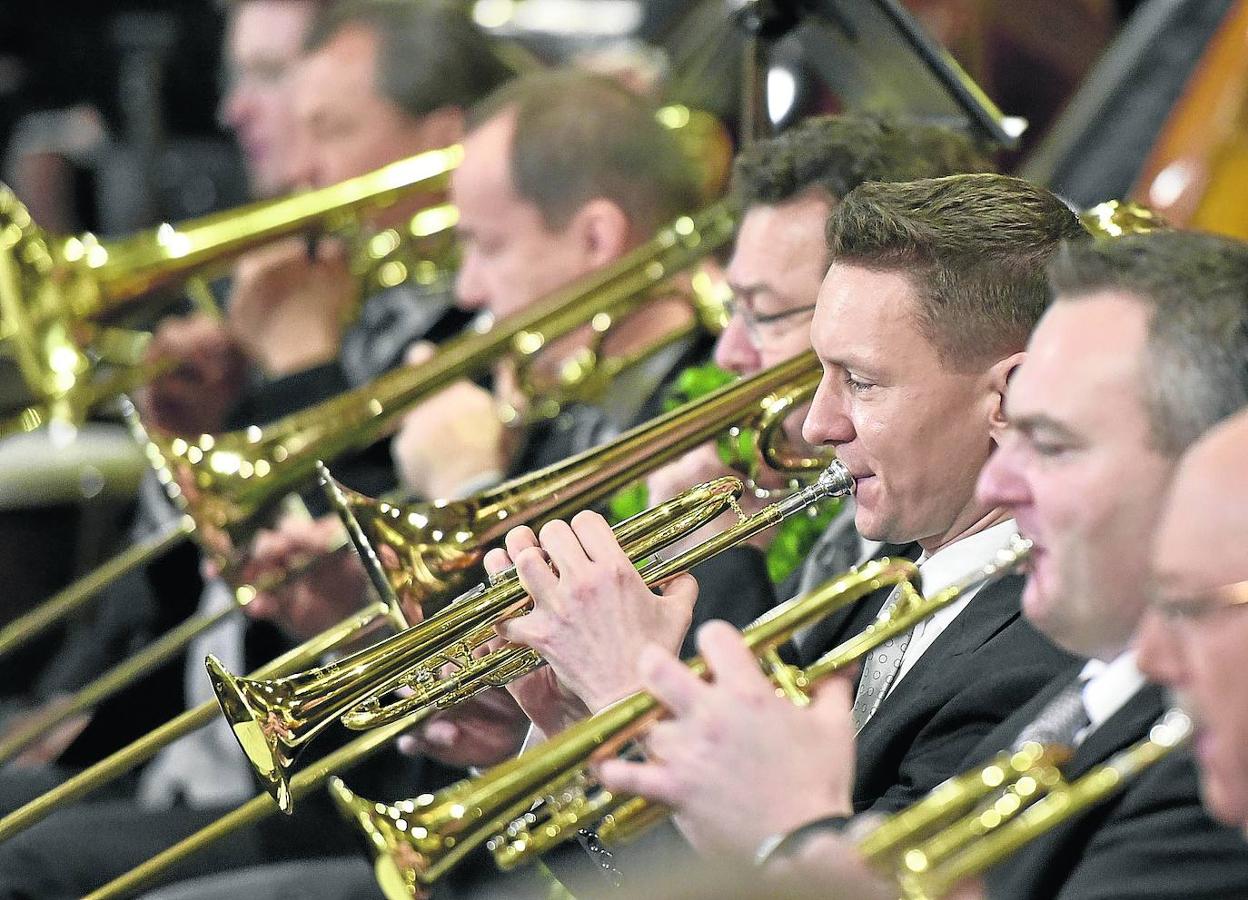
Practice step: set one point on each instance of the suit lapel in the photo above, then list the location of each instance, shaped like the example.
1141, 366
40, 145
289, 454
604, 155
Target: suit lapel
825, 635
993, 608
1128, 725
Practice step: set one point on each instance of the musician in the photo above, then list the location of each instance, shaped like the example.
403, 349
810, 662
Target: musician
563, 173
1193, 636
357, 103
921, 319
787, 186
1153, 328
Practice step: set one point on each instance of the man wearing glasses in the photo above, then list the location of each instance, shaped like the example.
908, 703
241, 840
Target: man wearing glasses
1195, 637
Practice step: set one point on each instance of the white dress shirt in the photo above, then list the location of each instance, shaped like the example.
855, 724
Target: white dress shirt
946, 566
1107, 686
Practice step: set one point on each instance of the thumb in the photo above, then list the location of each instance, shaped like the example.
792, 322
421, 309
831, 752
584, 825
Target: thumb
682, 590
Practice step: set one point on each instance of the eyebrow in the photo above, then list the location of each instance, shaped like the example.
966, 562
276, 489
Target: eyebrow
1039, 422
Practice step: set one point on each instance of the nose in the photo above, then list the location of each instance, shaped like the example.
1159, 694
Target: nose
828, 420
235, 108
1002, 481
1157, 648
470, 291
735, 350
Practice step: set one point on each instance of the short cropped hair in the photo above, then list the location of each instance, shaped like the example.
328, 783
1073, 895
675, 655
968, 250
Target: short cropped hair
579, 137
838, 153
975, 247
430, 54
1195, 367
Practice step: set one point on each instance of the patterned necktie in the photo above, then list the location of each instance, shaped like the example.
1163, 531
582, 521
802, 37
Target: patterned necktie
880, 669
1058, 723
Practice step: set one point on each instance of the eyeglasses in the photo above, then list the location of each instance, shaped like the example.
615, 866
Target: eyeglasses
767, 325
1191, 610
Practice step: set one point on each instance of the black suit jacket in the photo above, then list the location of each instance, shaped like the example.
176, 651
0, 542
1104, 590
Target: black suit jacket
982, 667
1151, 841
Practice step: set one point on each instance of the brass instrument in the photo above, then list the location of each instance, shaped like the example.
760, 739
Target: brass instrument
414, 842
54, 291
438, 545
222, 483
975, 820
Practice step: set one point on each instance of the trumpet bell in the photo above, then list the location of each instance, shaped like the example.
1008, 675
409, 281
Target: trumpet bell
261, 724
426, 550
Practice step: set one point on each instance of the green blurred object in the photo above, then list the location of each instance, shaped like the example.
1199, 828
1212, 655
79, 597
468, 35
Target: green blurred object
794, 537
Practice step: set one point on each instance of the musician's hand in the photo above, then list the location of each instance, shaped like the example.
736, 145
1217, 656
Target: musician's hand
451, 439
53, 741
289, 310
735, 761
196, 396
482, 731
593, 613
334, 587
831, 862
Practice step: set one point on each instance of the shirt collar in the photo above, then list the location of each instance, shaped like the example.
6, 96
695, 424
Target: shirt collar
1107, 686
955, 561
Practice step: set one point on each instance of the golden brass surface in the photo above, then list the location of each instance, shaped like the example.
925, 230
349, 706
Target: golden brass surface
273, 719
54, 290
224, 483
145, 747
436, 548
975, 820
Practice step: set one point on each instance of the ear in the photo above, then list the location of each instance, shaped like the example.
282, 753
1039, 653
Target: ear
601, 230
442, 127
997, 381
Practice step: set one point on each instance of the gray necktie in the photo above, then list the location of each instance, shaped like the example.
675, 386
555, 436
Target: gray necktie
880, 669
1058, 723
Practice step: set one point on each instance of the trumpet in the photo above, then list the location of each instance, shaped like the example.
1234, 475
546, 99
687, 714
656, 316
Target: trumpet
975, 820
274, 719
439, 545
414, 842
54, 290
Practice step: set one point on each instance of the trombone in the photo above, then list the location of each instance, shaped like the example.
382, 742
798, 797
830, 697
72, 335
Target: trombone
437, 547
53, 290
554, 491
414, 842
221, 483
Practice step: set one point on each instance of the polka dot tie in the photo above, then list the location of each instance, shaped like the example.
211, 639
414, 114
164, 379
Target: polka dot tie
1060, 721
880, 669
